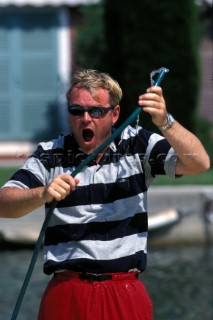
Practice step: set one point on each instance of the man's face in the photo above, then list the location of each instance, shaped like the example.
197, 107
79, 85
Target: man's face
90, 132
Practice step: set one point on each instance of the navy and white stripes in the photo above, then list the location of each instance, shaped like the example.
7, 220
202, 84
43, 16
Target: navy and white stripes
102, 225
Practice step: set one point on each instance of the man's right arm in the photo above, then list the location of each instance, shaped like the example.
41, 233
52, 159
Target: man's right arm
15, 202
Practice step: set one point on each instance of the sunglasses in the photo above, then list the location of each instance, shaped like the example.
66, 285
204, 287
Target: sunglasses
96, 112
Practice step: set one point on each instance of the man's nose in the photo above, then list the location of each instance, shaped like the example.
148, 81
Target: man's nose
86, 116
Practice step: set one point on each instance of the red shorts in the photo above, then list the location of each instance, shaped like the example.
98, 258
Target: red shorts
123, 297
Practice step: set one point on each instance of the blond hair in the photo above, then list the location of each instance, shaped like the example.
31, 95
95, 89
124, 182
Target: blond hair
92, 80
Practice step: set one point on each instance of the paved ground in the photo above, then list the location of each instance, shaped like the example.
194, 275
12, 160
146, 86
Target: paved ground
188, 200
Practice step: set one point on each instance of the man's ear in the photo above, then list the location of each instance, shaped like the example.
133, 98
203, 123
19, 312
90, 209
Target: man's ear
116, 113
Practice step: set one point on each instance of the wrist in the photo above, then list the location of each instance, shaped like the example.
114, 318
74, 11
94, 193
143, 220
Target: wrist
168, 124
45, 196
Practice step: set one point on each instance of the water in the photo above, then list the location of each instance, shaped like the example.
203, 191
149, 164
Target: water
13, 268
179, 281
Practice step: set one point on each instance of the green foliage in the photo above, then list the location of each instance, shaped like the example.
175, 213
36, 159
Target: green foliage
129, 39
204, 178
6, 173
90, 46
204, 131
145, 35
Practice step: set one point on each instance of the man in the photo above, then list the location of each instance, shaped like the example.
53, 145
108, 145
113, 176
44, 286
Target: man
95, 244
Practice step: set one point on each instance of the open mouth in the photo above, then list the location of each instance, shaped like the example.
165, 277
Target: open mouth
88, 135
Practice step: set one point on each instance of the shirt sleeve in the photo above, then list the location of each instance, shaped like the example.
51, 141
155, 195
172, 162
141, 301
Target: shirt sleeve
160, 158
34, 173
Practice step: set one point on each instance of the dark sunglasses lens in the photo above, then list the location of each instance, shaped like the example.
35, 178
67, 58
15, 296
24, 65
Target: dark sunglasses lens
96, 112
75, 111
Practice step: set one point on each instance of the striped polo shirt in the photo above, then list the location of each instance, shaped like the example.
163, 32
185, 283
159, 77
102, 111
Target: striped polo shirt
102, 225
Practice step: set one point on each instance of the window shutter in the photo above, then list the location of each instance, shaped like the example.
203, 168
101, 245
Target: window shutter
32, 78
4, 79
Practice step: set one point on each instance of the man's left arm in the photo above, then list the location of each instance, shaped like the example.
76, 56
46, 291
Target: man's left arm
192, 157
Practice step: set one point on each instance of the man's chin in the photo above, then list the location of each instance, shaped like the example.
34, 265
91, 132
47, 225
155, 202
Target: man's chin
87, 147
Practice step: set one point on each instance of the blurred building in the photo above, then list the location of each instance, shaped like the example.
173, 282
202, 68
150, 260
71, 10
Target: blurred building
36, 44
206, 57
36, 40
